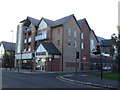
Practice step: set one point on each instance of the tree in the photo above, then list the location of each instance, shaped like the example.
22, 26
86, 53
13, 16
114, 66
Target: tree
8, 59
116, 43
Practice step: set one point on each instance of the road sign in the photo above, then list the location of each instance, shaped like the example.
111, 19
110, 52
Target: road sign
84, 58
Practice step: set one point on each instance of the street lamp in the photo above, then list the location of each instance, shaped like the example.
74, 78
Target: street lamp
98, 52
11, 51
33, 55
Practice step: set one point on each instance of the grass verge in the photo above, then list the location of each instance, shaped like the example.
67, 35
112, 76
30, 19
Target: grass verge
111, 76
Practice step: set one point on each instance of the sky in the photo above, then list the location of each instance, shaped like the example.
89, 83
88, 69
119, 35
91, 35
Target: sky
102, 15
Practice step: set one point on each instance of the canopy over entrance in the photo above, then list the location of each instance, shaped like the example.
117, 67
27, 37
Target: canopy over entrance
46, 48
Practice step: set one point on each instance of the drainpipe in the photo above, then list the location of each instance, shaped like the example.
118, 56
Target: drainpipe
62, 45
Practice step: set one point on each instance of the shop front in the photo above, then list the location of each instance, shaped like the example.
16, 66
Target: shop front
47, 57
40, 64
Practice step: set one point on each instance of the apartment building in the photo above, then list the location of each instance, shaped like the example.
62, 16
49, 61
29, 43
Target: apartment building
85, 44
48, 45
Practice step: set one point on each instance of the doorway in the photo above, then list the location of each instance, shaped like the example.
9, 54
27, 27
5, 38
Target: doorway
41, 64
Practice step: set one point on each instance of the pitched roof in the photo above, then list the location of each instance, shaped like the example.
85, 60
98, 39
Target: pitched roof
95, 35
49, 22
106, 42
63, 20
8, 45
34, 21
50, 47
81, 21
100, 38
57, 22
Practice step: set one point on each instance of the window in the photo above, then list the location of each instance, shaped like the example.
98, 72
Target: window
24, 46
29, 48
82, 45
75, 44
25, 40
82, 36
42, 25
44, 35
41, 36
29, 39
58, 31
92, 44
58, 42
19, 38
75, 34
69, 42
77, 55
69, 32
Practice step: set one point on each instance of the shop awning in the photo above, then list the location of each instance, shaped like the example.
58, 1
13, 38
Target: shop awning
48, 47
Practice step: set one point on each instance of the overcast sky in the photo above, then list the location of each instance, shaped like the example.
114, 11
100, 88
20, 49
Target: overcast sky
102, 15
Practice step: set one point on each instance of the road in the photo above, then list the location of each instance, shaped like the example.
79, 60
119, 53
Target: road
42, 80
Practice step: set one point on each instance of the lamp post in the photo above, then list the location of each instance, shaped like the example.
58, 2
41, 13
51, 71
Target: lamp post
18, 66
11, 51
19, 61
101, 61
33, 55
98, 52
101, 64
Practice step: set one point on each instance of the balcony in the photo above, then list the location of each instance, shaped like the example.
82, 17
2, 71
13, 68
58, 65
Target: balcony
25, 40
29, 39
28, 30
42, 36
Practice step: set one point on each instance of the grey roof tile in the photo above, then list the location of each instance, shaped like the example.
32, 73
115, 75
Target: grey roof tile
50, 47
49, 22
81, 21
106, 42
57, 22
8, 45
34, 21
100, 38
62, 20
95, 35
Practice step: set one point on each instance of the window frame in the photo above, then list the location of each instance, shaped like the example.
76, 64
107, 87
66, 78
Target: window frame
58, 31
69, 43
75, 44
69, 31
82, 45
58, 42
75, 33
82, 35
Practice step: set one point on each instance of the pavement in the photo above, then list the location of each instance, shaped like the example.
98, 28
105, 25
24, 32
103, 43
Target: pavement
38, 71
85, 79
81, 77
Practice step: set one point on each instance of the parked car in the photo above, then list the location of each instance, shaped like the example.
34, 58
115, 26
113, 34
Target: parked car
106, 68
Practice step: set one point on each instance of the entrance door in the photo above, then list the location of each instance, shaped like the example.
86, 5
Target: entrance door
82, 66
41, 64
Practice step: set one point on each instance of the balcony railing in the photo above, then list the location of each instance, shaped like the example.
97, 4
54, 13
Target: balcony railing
29, 39
25, 40
42, 36
28, 30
